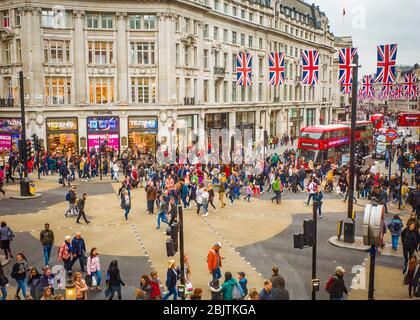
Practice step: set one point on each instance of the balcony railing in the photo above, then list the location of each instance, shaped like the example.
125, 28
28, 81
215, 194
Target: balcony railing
7, 102
189, 101
219, 71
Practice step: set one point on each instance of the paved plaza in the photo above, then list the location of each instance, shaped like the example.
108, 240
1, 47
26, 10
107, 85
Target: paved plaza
254, 237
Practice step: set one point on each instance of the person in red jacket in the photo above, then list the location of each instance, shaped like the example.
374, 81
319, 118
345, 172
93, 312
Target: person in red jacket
155, 283
214, 261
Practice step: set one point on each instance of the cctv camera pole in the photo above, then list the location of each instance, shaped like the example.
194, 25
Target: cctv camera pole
181, 247
350, 220
315, 206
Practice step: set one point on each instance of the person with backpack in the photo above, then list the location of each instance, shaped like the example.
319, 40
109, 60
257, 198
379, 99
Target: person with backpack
243, 283
71, 198
335, 285
231, 290
46, 237
6, 235
395, 227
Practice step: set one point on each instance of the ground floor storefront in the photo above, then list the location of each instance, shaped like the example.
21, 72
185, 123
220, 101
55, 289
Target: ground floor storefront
72, 129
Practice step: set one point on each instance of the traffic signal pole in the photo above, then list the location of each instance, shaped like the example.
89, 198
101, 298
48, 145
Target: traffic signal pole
23, 121
315, 206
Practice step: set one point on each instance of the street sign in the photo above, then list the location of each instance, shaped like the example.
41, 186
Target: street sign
391, 135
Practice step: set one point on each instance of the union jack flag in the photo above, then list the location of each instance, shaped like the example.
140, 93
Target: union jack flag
410, 87
387, 91
345, 60
310, 61
276, 68
367, 86
387, 60
244, 69
398, 92
346, 88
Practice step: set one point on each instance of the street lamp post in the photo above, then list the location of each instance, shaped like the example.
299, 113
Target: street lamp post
315, 205
181, 248
23, 126
350, 225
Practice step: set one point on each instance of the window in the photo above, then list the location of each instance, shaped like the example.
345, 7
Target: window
18, 51
177, 55
135, 21
187, 25
206, 32
242, 88
249, 94
260, 67
225, 84
5, 21
58, 90
186, 56
250, 17
216, 33
242, 39
195, 57
225, 58
149, 22
7, 52
216, 92
101, 90
187, 87
99, 20
225, 35
234, 62
260, 43
216, 4
17, 17
143, 90
250, 44
56, 51
177, 27
142, 52
177, 90
234, 37
234, 11
262, 20
101, 52
195, 31
206, 91
242, 14
216, 59
206, 59
233, 91
225, 8
55, 19
260, 91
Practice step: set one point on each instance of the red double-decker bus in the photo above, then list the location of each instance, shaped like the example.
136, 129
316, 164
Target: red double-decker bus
410, 119
321, 143
364, 135
377, 120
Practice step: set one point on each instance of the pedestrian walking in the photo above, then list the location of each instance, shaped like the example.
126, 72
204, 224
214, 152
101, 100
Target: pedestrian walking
267, 293
65, 253
2, 181
410, 239
19, 273
395, 226
46, 238
155, 284
411, 275
171, 281
276, 279
151, 195
277, 188
162, 212
34, 279
6, 235
71, 198
231, 290
126, 203
144, 292
93, 268
243, 281
114, 281
79, 250
81, 209
3, 282
336, 286
318, 198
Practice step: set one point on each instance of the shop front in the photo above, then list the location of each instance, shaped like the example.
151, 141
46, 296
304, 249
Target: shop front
186, 124
10, 133
142, 134
246, 121
216, 121
101, 129
62, 136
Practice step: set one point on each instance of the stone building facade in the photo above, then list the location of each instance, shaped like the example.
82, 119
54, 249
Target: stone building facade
128, 69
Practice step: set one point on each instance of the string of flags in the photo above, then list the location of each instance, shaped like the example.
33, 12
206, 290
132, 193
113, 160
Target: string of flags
310, 60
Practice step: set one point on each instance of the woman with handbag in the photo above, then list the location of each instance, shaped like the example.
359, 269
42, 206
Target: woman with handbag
3, 282
93, 268
6, 235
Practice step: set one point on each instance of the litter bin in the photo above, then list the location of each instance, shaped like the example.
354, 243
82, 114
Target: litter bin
27, 187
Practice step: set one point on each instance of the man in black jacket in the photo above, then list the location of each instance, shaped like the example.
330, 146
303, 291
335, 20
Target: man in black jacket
81, 208
410, 239
338, 287
46, 238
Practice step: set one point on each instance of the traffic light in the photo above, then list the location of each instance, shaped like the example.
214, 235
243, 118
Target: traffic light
308, 232
298, 241
28, 150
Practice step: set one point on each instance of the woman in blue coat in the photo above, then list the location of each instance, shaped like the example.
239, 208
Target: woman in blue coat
171, 280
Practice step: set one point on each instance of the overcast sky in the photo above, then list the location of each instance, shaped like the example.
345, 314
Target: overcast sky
374, 22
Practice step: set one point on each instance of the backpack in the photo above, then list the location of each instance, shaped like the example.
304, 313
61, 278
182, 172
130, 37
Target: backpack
68, 196
237, 292
397, 227
329, 284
